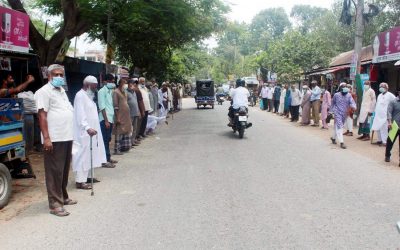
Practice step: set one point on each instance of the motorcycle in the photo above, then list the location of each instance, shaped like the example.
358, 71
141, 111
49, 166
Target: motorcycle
220, 99
252, 99
240, 121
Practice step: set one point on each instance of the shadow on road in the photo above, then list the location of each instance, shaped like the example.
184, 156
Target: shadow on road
230, 134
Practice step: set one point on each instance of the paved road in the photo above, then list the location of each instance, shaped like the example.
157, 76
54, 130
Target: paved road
197, 186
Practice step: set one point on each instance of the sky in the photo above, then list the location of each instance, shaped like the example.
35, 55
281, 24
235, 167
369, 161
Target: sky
241, 11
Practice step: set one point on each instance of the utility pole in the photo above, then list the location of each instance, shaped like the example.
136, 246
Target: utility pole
360, 25
356, 61
110, 50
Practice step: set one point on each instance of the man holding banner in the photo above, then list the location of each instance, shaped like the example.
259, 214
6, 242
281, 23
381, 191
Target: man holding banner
393, 117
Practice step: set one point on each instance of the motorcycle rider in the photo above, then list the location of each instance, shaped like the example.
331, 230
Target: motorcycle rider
220, 91
240, 98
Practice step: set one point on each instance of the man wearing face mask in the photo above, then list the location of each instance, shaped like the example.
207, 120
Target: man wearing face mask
393, 115
341, 102
380, 123
306, 106
147, 106
123, 122
295, 101
367, 108
56, 123
106, 116
8, 88
86, 128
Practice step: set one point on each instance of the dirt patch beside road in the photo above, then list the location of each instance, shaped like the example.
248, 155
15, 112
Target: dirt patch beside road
26, 191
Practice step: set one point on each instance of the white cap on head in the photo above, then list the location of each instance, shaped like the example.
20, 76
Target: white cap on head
343, 84
90, 79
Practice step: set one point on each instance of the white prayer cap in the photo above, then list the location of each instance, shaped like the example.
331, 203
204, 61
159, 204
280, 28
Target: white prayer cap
343, 84
90, 79
54, 67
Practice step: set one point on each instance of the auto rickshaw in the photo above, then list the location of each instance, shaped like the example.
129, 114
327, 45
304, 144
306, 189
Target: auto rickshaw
205, 93
13, 160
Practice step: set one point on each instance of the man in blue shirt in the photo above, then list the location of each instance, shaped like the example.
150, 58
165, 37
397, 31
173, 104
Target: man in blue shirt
106, 115
315, 102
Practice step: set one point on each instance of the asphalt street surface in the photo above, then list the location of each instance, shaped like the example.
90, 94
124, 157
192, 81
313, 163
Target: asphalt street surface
196, 185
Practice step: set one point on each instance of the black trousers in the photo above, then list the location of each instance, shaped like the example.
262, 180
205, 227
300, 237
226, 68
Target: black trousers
276, 106
143, 124
270, 105
389, 145
294, 112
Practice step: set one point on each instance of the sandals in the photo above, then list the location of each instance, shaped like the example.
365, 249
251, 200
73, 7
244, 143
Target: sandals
60, 212
69, 202
107, 165
84, 186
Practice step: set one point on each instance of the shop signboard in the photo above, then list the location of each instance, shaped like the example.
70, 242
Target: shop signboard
14, 34
353, 66
387, 46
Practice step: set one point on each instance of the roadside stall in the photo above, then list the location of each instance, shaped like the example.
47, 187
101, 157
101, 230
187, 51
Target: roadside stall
15, 61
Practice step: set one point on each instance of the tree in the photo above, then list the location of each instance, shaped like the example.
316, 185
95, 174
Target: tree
144, 31
305, 16
77, 18
268, 25
148, 32
294, 54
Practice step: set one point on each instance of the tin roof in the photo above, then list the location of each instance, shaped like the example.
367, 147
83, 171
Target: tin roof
345, 58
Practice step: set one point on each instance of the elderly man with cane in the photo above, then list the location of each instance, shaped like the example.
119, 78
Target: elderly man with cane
88, 148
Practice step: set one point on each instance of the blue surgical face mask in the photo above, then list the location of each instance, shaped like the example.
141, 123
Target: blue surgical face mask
366, 87
57, 81
345, 90
111, 85
382, 90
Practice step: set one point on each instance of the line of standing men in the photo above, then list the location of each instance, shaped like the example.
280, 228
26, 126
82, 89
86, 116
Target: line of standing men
73, 132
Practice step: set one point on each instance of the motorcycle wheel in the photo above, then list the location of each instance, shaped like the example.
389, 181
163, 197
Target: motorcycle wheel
241, 133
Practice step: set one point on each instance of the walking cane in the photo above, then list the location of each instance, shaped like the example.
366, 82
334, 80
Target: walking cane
91, 163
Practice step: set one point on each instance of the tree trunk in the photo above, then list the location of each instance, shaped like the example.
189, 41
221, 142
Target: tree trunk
73, 25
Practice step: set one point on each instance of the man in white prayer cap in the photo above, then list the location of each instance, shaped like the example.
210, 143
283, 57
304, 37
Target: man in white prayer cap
86, 132
380, 123
341, 103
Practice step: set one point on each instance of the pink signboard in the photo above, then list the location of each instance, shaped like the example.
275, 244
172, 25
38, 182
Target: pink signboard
14, 34
387, 46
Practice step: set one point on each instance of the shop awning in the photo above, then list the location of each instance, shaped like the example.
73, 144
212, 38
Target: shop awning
328, 71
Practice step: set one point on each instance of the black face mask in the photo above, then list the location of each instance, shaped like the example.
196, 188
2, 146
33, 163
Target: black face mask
10, 84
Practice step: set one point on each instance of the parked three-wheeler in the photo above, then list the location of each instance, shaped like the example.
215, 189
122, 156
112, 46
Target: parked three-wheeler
13, 160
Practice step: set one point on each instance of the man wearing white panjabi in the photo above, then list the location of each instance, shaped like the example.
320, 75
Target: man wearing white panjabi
380, 123
86, 128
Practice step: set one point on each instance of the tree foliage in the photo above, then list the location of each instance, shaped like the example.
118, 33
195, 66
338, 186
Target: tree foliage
145, 33
267, 25
273, 44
